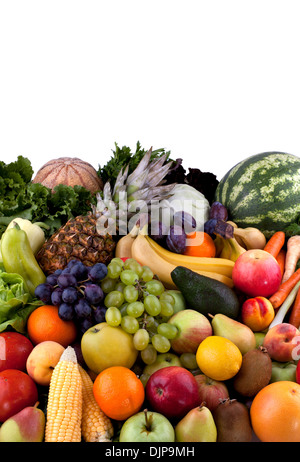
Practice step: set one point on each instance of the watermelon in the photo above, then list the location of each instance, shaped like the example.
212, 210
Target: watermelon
262, 191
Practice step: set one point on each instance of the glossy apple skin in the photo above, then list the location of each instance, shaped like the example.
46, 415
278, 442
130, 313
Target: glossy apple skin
14, 351
17, 391
256, 273
135, 430
211, 391
172, 391
257, 313
193, 327
162, 360
281, 342
104, 346
283, 371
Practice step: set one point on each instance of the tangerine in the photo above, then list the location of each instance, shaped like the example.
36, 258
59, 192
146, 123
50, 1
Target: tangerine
275, 412
200, 244
118, 392
44, 324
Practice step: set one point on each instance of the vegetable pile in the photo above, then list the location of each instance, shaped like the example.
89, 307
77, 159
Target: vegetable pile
20, 198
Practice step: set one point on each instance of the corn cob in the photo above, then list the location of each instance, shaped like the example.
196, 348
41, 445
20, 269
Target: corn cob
64, 408
95, 425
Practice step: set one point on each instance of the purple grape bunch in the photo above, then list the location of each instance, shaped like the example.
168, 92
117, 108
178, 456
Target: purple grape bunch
77, 293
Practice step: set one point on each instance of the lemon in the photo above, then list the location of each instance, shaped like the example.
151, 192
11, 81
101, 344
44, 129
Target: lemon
218, 358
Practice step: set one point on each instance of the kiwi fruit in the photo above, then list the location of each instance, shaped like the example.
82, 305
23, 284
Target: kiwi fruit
232, 419
255, 372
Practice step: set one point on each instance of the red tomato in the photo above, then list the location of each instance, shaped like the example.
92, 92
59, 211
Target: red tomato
298, 372
17, 390
14, 351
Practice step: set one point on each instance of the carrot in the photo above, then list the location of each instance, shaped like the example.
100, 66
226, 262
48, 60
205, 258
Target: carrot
275, 243
281, 260
294, 318
292, 257
284, 289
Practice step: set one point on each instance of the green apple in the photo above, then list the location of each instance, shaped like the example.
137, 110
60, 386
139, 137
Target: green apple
147, 427
259, 337
162, 360
104, 346
180, 303
283, 371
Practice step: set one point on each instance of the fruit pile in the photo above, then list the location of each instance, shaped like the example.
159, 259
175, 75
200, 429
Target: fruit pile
187, 332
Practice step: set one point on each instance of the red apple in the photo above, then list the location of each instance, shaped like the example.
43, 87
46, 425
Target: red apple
256, 273
14, 351
282, 342
193, 327
172, 391
257, 313
211, 391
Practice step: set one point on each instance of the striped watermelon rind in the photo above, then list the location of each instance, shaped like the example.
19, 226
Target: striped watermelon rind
262, 191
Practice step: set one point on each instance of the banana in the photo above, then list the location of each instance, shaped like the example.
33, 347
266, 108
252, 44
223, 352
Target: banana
219, 245
222, 266
124, 245
145, 254
231, 249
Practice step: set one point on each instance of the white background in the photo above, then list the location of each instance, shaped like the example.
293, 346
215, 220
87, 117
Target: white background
212, 81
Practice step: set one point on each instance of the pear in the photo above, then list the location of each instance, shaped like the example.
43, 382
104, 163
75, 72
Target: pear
27, 426
240, 334
196, 426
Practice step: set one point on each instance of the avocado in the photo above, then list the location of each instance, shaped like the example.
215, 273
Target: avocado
206, 295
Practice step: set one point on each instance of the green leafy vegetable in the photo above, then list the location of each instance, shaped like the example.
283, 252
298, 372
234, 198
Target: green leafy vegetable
15, 303
19, 197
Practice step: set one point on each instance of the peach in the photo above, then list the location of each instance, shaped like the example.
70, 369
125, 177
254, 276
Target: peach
282, 341
257, 313
42, 360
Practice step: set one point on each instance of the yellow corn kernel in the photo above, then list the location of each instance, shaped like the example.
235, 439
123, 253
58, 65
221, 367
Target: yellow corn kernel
95, 425
64, 408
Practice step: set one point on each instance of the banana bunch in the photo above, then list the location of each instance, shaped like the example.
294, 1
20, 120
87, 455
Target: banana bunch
162, 261
228, 248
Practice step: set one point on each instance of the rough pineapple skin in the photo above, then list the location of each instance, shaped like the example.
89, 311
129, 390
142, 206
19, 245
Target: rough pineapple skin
77, 239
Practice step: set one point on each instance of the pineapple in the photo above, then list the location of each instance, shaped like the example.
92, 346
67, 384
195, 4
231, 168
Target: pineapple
92, 238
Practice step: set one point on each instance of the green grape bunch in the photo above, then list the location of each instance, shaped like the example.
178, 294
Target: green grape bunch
139, 303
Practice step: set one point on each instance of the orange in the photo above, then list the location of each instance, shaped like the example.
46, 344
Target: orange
44, 324
218, 358
275, 413
119, 392
200, 244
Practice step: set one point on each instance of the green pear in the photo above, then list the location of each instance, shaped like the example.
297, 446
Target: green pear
27, 426
197, 426
240, 334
